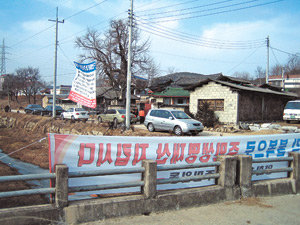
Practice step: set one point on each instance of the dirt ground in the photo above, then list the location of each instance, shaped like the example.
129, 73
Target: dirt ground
23, 144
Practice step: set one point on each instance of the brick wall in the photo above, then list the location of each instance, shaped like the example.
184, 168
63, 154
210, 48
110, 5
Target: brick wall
216, 91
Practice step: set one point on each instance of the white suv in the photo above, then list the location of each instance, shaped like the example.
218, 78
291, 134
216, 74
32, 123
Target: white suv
172, 120
75, 114
292, 111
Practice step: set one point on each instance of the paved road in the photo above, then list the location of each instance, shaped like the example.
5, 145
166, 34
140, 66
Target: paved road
277, 210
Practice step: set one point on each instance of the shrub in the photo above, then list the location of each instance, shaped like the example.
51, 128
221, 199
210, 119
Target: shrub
206, 115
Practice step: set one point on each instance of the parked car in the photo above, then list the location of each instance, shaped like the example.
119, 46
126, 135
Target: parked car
33, 109
48, 110
172, 120
75, 114
292, 111
116, 116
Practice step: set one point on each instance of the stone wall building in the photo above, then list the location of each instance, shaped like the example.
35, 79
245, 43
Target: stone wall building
234, 101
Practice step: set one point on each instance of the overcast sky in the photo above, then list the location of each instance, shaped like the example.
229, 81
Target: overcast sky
201, 36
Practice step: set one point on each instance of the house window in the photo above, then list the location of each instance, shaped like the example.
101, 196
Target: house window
167, 101
181, 101
214, 104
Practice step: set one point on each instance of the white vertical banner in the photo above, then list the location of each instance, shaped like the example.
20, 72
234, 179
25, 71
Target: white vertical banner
83, 89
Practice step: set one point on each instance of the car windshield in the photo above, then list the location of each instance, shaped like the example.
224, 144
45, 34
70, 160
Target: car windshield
36, 106
292, 105
79, 109
59, 108
180, 115
122, 111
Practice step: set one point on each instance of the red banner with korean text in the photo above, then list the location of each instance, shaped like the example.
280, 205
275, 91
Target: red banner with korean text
84, 153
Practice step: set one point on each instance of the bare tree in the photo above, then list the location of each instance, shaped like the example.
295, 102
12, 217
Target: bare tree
260, 74
8, 87
110, 51
293, 65
243, 75
172, 69
31, 82
276, 70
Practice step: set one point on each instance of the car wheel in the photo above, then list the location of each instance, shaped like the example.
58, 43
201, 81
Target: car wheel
99, 119
151, 127
73, 119
288, 121
178, 130
42, 114
195, 133
115, 122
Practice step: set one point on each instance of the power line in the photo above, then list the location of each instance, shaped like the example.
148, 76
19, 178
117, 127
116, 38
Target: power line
275, 57
211, 43
208, 14
243, 60
163, 7
42, 31
190, 8
81, 11
26, 39
295, 54
64, 54
196, 37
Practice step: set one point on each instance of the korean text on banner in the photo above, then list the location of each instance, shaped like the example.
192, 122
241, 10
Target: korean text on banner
84, 153
83, 89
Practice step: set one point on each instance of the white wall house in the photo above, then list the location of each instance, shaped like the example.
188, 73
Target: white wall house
288, 82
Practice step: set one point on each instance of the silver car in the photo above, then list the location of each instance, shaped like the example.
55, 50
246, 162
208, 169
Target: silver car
172, 120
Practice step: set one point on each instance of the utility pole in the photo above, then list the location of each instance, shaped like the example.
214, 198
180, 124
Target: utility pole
55, 62
267, 67
3, 58
128, 94
282, 77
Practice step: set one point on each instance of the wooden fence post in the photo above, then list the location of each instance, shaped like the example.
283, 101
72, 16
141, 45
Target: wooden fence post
227, 179
295, 175
149, 177
61, 186
244, 175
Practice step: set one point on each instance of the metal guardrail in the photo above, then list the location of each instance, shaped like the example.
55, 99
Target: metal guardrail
140, 183
196, 165
29, 191
27, 177
106, 186
188, 179
106, 172
269, 171
279, 159
140, 170
191, 178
